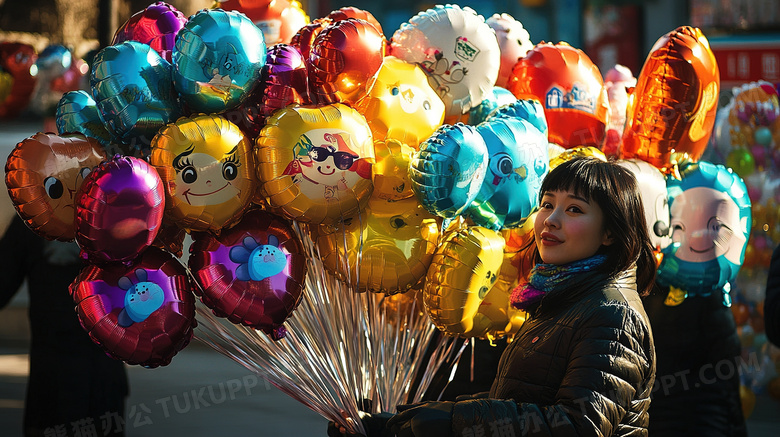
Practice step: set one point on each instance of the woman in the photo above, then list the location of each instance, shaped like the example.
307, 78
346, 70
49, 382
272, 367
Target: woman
584, 361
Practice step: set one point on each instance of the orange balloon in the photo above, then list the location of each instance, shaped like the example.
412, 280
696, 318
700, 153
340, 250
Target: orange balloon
672, 110
315, 163
43, 174
353, 12
570, 87
207, 167
278, 19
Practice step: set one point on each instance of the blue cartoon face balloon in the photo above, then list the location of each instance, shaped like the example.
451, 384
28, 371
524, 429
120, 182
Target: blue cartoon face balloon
258, 261
448, 170
218, 59
518, 163
141, 298
77, 113
710, 224
133, 90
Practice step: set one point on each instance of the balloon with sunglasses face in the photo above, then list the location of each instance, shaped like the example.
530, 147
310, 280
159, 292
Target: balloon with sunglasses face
207, 167
43, 174
314, 164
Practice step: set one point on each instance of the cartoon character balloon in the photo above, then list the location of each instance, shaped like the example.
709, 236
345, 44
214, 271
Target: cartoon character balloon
208, 171
131, 85
156, 25
672, 109
447, 171
652, 187
518, 161
710, 224
400, 104
391, 171
497, 98
119, 210
571, 89
252, 273
315, 164
142, 313
217, 60
513, 41
457, 49
43, 174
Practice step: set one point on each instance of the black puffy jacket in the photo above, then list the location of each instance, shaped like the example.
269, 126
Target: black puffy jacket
583, 364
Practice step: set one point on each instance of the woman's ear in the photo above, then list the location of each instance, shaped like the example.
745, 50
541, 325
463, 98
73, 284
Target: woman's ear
607, 238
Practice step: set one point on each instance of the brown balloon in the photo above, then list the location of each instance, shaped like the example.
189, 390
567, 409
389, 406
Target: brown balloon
43, 174
672, 110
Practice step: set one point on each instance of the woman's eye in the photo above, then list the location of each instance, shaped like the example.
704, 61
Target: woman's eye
189, 175
53, 187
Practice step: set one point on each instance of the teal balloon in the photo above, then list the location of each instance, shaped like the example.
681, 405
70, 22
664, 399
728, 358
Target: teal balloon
763, 136
448, 170
133, 89
497, 98
518, 161
529, 110
77, 112
218, 59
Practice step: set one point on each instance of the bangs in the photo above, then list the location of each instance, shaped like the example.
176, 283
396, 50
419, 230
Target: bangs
580, 176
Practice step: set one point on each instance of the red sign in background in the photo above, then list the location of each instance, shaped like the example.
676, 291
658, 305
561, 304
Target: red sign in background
742, 60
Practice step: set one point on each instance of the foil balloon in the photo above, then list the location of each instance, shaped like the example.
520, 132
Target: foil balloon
77, 112
517, 163
52, 62
672, 109
217, 60
497, 98
207, 169
142, 313
513, 41
343, 57
119, 210
387, 251
464, 269
315, 164
575, 152
391, 171
618, 81
353, 12
43, 174
571, 89
18, 60
652, 188
283, 82
457, 49
156, 25
252, 273
400, 104
710, 224
304, 37
278, 19
132, 87
447, 172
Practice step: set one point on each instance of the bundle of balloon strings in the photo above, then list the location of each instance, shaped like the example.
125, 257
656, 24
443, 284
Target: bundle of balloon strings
344, 352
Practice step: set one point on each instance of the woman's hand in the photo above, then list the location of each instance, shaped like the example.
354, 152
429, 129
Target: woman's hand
374, 425
427, 419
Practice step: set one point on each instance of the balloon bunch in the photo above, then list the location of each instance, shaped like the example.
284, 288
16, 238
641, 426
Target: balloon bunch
746, 139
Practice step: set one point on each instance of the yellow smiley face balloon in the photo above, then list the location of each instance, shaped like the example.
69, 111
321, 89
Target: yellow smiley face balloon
207, 167
465, 267
388, 249
315, 163
391, 171
400, 104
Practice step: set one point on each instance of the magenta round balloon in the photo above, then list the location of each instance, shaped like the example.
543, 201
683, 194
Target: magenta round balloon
119, 210
157, 26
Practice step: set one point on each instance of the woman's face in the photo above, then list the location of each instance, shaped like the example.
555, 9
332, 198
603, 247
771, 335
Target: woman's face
568, 228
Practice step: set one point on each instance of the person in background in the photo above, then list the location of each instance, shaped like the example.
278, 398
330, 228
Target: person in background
772, 300
74, 388
583, 363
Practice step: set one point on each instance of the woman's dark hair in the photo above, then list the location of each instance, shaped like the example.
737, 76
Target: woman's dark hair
616, 192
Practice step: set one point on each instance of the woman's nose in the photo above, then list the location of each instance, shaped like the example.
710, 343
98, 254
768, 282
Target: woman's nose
553, 219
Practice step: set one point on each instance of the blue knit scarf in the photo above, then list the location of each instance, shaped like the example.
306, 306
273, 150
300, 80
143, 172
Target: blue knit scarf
545, 277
